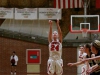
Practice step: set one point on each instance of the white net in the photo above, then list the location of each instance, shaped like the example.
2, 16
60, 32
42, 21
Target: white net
84, 33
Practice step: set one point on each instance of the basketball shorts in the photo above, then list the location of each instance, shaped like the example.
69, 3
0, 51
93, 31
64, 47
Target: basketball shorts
13, 64
84, 70
55, 66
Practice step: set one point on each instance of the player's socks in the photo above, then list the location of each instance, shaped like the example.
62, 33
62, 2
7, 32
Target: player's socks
11, 73
15, 73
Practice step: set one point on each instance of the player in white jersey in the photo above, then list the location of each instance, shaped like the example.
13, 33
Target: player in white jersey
81, 51
84, 65
55, 63
82, 55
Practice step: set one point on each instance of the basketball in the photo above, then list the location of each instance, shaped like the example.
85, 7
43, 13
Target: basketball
13, 61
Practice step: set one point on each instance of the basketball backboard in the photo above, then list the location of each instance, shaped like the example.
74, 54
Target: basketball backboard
89, 22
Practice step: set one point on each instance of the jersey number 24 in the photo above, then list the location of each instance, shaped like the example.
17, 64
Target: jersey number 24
54, 47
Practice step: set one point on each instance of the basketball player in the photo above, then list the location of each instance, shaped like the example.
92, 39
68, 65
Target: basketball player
81, 51
55, 63
86, 65
81, 56
13, 60
95, 48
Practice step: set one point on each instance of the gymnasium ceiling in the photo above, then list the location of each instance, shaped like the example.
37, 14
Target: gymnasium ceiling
66, 13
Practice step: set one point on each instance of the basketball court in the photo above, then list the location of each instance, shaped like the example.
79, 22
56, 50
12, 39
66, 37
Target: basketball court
25, 30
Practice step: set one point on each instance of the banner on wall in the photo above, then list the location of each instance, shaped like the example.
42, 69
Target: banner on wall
6, 13
68, 3
26, 13
49, 13
33, 56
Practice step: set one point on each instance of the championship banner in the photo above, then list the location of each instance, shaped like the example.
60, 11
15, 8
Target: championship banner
33, 56
26, 13
6, 13
49, 13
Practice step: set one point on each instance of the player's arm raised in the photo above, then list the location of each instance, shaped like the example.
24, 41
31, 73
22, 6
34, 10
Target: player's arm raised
59, 31
50, 31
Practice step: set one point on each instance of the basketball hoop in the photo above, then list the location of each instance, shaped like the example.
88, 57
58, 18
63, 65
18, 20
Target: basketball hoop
84, 33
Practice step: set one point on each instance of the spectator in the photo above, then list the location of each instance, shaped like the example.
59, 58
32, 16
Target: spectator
13, 60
